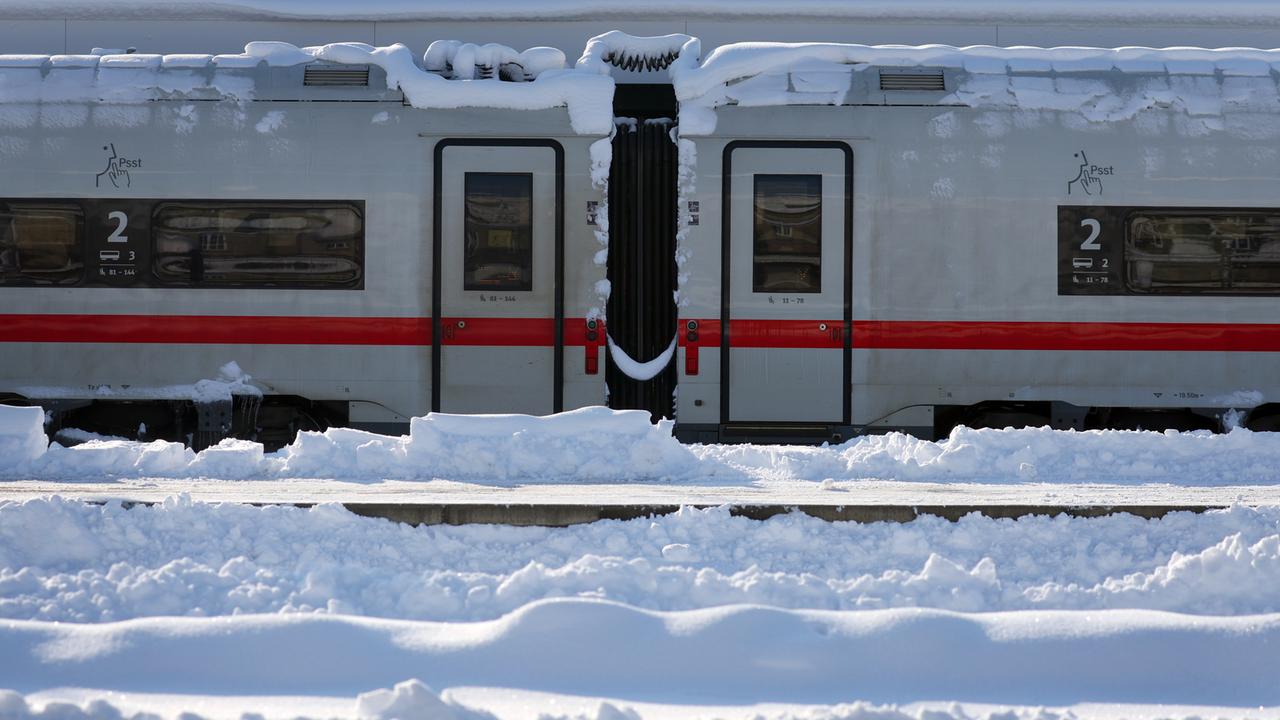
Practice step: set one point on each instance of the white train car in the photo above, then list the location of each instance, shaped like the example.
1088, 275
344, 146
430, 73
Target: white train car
788, 242
164, 215
1072, 237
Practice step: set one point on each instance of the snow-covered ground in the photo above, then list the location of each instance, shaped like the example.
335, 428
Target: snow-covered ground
193, 609
222, 608
597, 445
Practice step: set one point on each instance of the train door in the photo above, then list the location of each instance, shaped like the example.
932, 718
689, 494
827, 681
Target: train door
498, 276
787, 284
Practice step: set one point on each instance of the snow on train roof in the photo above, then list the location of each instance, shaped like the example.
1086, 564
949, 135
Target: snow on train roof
452, 75
1081, 12
1103, 84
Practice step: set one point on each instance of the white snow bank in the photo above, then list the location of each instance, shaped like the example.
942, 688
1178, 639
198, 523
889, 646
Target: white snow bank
600, 445
414, 700
1239, 457
591, 442
76, 562
735, 655
22, 437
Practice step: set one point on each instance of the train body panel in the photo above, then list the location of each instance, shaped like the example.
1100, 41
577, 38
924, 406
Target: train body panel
367, 343
895, 249
956, 256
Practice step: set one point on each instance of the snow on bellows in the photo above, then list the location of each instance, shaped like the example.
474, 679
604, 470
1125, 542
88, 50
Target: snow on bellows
597, 444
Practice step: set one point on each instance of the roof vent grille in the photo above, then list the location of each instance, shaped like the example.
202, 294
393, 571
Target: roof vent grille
929, 79
336, 75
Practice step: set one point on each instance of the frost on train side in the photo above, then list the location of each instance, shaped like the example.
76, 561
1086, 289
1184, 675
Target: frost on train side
601, 152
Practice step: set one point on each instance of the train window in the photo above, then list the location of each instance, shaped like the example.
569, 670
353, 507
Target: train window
498, 249
1218, 251
40, 243
787, 234
211, 244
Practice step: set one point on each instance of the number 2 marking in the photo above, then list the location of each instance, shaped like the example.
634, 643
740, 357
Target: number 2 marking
1091, 242
122, 222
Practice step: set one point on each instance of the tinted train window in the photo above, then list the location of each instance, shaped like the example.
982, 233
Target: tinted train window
213, 244
1221, 251
40, 244
498, 251
787, 232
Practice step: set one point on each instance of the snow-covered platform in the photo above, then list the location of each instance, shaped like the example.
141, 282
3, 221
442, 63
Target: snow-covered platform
456, 503
593, 464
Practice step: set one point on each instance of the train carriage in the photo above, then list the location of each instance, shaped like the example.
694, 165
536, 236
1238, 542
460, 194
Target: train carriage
785, 242
291, 218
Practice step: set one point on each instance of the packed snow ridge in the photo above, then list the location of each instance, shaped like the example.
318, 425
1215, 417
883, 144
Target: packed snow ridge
596, 444
66, 561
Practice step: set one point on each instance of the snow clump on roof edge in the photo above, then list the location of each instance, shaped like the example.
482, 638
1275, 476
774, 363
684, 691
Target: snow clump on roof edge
587, 96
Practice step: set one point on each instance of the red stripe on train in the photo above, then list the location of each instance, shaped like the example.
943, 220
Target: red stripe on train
962, 335
943, 335
286, 330
516, 332
216, 329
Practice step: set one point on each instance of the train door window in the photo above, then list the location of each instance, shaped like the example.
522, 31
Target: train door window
211, 244
787, 234
1203, 252
41, 244
498, 231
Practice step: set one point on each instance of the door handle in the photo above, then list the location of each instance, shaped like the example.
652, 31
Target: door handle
691, 348
591, 363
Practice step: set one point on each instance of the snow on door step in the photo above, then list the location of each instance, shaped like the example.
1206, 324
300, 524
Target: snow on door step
588, 444
22, 437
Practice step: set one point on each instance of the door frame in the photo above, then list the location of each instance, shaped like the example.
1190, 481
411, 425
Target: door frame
437, 249
726, 235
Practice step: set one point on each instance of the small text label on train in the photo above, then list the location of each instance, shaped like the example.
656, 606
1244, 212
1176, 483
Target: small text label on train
1089, 176
117, 170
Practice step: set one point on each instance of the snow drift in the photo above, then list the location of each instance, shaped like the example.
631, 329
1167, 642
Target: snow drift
77, 562
596, 444
731, 655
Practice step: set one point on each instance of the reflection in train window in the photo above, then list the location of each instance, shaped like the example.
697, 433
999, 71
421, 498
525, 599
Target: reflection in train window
498, 233
787, 232
1217, 251
40, 244
317, 245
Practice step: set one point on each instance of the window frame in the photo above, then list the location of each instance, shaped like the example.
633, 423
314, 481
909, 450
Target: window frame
1224, 259
532, 225
157, 281
816, 288
78, 245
